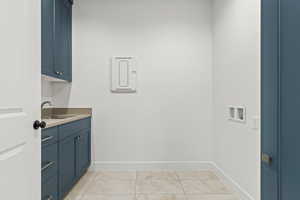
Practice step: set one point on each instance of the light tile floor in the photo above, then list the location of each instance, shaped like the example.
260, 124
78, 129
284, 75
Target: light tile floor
151, 185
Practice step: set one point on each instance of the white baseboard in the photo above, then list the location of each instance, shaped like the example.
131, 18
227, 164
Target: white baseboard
153, 165
174, 165
241, 193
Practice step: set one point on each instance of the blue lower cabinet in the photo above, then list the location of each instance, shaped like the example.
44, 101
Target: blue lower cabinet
49, 161
49, 136
83, 152
64, 162
50, 189
67, 164
57, 39
72, 128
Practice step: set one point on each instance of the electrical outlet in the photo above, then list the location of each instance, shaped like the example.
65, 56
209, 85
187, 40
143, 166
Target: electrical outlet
240, 114
237, 113
231, 113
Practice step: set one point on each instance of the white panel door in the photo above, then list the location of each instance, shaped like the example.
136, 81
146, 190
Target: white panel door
20, 149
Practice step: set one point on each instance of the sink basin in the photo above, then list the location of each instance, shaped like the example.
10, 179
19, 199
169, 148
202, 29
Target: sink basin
62, 116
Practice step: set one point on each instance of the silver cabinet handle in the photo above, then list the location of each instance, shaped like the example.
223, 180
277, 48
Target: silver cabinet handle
50, 197
78, 137
59, 73
47, 138
47, 165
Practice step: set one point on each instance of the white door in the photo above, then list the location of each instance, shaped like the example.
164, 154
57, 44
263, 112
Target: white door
20, 149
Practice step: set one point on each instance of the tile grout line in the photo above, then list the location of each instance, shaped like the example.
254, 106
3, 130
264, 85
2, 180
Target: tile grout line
135, 185
204, 182
93, 177
85, 189
179, 180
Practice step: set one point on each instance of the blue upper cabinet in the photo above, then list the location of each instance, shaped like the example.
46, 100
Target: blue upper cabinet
48, 37
57, 39
63, 39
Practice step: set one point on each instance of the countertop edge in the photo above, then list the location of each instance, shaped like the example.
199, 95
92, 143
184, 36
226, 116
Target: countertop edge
57, 122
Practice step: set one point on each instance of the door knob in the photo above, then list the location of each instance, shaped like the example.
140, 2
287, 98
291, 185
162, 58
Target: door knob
37, 124
265, 158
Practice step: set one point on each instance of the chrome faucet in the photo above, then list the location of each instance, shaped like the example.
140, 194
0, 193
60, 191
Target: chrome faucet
46, 102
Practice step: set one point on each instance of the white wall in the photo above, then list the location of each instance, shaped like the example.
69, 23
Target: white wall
170, 117
47, 88
237, 82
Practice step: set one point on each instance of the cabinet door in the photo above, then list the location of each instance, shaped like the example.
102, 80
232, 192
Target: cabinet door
49, 161
50, 189
67, 164
63, 39
83, 151
48, 37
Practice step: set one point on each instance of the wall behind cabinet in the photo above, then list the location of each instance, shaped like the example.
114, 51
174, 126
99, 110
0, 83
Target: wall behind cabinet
47, 88
170, 117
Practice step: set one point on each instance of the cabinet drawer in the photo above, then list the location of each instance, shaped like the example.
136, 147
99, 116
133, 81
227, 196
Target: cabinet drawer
49, 161
50, 189
49, 136
73, 127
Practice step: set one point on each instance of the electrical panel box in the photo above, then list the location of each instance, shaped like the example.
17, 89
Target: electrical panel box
123, 75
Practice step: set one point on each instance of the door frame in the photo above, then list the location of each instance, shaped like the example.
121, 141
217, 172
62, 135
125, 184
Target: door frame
270, 98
